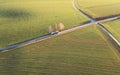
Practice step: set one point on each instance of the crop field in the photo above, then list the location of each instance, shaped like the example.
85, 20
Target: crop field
82, 52
21, 20
114, 28
100, 8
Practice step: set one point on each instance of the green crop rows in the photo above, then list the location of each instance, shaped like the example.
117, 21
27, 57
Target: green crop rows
114, 28
80, 52
21, 20
86, 51
100, 8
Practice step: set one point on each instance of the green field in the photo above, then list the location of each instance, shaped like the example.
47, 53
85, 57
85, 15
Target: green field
82, 52
114, 27
99, 8
86, 51
21, 20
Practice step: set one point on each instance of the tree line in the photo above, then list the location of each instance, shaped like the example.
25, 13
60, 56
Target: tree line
56, 27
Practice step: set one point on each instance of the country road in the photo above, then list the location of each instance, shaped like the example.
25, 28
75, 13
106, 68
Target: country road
99, 23
109, 33
24, 43
79, 10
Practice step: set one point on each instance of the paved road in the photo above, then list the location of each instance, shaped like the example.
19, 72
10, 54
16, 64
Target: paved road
7, 48
26, 42
79, 10
99, 23
89, 17
109, 33
88, 24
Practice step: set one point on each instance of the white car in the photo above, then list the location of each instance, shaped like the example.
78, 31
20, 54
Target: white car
53, 33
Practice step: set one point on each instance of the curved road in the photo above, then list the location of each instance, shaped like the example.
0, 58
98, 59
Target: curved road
99, 23
7, 48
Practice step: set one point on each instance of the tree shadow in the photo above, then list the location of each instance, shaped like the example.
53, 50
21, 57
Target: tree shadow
14, 13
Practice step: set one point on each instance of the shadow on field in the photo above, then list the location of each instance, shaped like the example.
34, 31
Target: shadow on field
106, 17
110, 40
14, 13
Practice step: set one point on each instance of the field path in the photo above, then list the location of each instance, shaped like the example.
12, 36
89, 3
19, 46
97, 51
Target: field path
99, 23
24, 43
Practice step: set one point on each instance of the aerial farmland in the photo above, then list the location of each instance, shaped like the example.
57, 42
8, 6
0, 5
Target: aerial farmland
59, 37
113, 27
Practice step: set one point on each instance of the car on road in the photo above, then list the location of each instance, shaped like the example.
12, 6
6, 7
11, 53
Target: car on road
53, 33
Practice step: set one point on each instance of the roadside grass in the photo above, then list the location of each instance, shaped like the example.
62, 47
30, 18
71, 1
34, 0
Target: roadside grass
113, 27
21, 20
82, 52
100, 8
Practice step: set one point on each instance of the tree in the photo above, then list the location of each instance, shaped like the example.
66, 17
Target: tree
56, 27
50, 29
61, 26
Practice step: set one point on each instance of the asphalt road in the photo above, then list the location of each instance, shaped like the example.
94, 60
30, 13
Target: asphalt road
24, 43
99, 23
